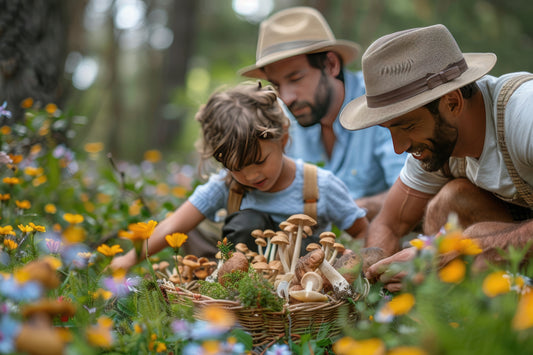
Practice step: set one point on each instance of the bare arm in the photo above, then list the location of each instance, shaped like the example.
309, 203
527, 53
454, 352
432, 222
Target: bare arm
183, 220
402, 210
372, 204
358, 228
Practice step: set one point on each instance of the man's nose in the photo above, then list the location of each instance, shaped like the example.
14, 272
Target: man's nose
287, 95
400, 141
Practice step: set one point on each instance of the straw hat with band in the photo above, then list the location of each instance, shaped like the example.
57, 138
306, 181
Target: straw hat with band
408, 69
294, 31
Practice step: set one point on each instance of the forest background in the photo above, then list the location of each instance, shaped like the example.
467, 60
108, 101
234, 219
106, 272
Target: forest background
131, 74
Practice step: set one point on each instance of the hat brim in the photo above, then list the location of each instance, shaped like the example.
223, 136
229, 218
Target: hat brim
357, 115
346, 49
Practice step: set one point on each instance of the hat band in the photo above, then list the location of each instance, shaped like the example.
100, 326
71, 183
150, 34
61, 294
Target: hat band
430, 81
285, 46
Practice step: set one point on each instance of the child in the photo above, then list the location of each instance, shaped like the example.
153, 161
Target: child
245, 129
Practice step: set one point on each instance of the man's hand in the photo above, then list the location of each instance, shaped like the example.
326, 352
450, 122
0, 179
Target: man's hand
387, 270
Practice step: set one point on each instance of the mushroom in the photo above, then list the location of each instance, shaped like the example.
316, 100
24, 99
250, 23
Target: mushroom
190, 263
214, 274
257, 233
267, 234
242, 247
262, 268
237, 261
300, 220
371, 255
281, 240
311, 284
276, 267
313, 246
203, 269
42, 272
260, 244
327, 239
337, 248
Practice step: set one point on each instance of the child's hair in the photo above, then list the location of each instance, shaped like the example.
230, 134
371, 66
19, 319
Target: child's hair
233, 121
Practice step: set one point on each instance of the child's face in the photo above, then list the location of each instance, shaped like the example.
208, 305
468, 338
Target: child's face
265, 174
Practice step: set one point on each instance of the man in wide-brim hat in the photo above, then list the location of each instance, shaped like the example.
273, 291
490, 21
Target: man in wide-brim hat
469, 135
299, 54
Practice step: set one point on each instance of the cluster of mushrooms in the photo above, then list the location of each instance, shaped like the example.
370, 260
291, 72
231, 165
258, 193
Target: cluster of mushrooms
326, 268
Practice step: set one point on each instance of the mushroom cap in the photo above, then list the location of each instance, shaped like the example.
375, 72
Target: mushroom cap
312, 246
283, 224
327, 234
218, 255
257, 233
191, 260
309, 262
268, 233
280, 238
339, 247
260, 265
327, 241
314, 279
371, 255
276, 265
242, 247
259, 258
290, 228
261, 242
163, 265
308, 296
43, 272
237, 261
50, 307
307, 231
301, 218
349, 265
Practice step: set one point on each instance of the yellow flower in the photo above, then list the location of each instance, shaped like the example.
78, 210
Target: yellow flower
349, 346
153, 156
39, 180
16, 158
50, 208
454, 272
55, 263
135, 208
32, 171
100, 334
217, 316
36, 149
176, 240
401, 304
109, 251
211, 346
406, 350
179, 191
417, 243
469, 246
450, 242
10, 244
5, 197
27, 103
11, 180
103, 294
137, 328
7, 230
5, 130
25, 229
23, 205
141, 230
162, 189
73, 218
523, 317
50, 108
496, 283
103, 198
37, 227
94, 147
74, 234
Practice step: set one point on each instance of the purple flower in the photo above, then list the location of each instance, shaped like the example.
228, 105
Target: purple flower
278, 349
4, 112
53, 245
121, 286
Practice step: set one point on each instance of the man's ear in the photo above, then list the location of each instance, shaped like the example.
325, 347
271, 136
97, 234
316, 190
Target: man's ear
453, 102
333, 64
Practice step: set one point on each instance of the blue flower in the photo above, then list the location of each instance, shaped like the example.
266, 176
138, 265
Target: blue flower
4, 112
25, 291
279, 349
9, 329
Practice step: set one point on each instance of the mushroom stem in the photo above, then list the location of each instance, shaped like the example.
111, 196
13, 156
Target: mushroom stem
333, 256
272, 252
341, 287
283, 259
297, 246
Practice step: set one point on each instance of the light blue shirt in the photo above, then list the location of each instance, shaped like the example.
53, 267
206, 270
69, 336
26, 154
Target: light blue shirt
334, 203
364, 160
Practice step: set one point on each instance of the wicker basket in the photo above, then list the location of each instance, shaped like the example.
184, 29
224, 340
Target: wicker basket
267, 326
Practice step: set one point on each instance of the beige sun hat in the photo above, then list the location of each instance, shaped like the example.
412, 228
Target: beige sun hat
294, 31
408, 69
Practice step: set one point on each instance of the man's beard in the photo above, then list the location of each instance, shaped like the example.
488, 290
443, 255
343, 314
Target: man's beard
319, 109
443, 142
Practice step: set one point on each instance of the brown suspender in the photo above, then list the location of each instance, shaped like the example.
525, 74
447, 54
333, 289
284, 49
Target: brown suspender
310, 193
524, 195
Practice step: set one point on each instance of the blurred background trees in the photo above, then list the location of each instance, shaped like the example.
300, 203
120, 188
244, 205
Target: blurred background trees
132, 73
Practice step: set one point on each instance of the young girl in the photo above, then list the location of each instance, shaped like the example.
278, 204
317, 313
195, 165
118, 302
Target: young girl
245, 129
